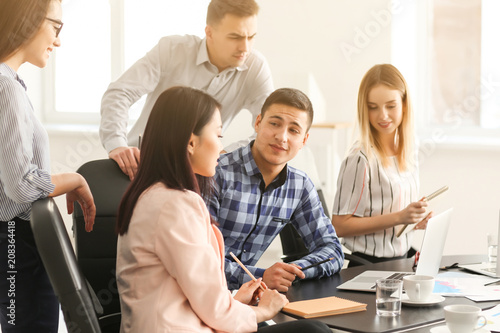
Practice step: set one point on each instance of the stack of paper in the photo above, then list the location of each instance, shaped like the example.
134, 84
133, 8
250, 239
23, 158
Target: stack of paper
473, 286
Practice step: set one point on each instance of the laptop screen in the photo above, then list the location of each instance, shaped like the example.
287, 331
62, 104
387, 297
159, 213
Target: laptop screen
433, 244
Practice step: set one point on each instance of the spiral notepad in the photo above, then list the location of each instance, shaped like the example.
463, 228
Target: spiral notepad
320, 307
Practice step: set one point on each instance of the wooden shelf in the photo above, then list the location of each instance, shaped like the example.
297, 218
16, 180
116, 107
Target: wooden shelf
332, 125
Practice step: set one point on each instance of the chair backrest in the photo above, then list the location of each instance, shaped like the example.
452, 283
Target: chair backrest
57, 254
96, 250
294, 248
291, 242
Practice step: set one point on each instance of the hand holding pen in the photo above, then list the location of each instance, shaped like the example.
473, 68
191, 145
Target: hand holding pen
428, 215
279, 276
270, 299
246, 270
317, 264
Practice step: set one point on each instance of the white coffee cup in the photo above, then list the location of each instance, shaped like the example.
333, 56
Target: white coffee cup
463, 318
418, 287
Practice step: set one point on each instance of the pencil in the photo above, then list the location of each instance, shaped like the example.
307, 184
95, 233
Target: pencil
317, 263
245, 269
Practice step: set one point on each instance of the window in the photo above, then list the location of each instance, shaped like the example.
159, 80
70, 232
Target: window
100, 40
460, 77
490, 66
81, 71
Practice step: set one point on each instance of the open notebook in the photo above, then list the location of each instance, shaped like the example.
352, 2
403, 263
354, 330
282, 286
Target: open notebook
320, 307
487, 268
428, 264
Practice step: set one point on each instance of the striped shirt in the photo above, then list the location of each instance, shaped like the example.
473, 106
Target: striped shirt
368, 189
24, 150
250, 216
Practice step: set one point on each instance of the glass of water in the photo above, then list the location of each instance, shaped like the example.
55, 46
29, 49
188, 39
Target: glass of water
389, 297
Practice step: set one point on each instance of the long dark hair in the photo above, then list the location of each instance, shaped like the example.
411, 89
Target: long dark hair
178, 113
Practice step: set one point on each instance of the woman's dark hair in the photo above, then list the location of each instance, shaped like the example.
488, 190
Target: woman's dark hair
178, 113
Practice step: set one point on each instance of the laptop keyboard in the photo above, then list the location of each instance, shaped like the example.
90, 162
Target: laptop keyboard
396, 276
399, 276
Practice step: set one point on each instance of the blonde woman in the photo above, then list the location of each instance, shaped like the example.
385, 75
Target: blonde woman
378, 183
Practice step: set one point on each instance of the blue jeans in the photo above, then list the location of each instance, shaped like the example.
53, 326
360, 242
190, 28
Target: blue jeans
27, 300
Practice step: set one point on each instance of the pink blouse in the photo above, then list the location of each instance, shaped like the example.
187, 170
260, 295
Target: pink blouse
170, 269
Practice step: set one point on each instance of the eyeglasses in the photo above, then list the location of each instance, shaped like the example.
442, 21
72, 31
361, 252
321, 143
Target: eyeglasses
58, 29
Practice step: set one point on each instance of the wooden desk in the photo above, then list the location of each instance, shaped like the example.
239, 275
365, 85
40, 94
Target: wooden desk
414, 319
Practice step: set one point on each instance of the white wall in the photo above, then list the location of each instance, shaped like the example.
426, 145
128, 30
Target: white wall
302, 41
302, 38
474, 193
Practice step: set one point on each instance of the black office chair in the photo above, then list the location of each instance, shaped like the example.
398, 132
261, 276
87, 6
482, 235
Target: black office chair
96, 250
79, 304
294, 248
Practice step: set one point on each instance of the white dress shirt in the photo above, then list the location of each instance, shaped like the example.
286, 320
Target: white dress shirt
175, 61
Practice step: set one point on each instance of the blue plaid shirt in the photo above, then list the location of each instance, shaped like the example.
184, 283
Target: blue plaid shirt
250, 216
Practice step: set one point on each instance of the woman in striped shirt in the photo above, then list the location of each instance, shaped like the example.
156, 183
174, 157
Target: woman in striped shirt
29, 31
377, 191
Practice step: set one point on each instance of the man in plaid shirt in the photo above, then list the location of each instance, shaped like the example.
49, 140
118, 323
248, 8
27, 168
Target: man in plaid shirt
256, 193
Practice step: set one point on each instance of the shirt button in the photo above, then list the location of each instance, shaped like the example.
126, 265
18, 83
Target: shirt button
244, 251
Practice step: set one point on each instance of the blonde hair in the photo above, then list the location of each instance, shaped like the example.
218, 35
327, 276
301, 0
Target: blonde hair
391, 77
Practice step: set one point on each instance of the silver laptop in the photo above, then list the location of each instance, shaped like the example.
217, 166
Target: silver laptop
428, 263
486, 268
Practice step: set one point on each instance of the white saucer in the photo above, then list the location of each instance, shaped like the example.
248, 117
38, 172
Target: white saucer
434, 299
444, 329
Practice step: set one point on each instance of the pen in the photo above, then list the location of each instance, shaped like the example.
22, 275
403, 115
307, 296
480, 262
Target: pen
245, 269
435, 194
427, 198
415, 261
316, 264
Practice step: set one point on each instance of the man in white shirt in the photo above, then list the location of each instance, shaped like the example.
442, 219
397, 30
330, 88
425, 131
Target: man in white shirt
222, 64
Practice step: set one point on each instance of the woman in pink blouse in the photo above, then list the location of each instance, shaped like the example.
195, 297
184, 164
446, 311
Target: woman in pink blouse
170, 262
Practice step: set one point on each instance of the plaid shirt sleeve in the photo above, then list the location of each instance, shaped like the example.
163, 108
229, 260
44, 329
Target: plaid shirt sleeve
235, 276
318, 235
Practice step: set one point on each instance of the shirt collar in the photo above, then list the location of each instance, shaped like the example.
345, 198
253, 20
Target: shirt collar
203, 58
202, 53
9, 72
252, 169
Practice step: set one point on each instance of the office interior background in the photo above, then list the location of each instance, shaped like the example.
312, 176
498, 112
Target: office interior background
322, 47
